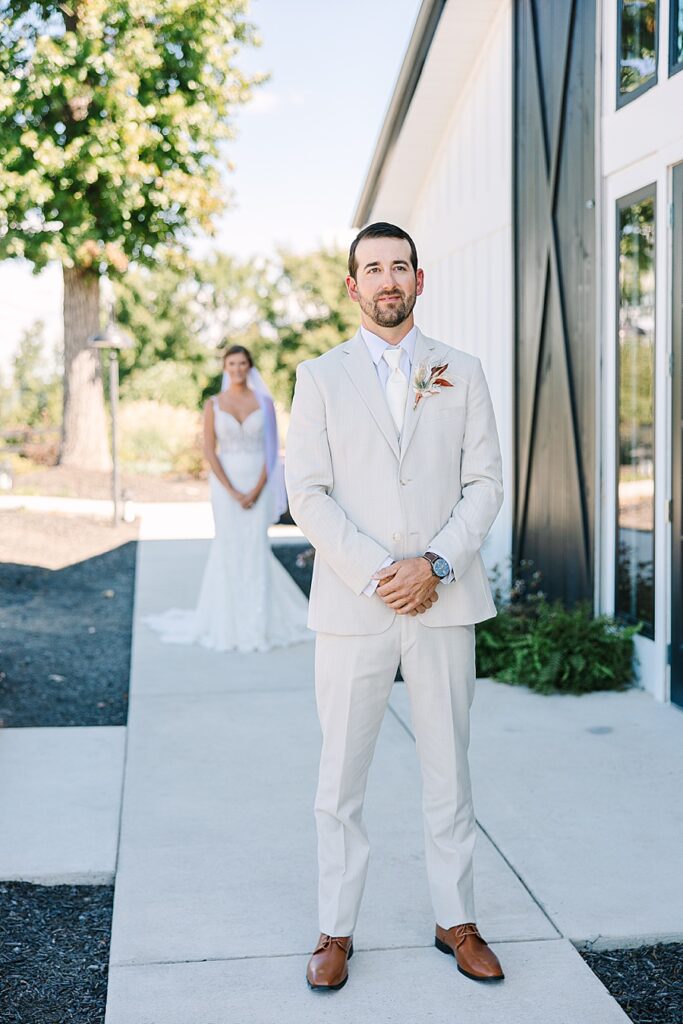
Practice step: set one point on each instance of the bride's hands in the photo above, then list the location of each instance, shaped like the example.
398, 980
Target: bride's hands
249, 499
246, 499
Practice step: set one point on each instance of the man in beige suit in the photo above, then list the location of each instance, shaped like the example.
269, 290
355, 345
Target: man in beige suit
393, 472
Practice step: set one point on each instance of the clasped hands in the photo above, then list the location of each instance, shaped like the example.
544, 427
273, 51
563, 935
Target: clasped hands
408, 586
246, 500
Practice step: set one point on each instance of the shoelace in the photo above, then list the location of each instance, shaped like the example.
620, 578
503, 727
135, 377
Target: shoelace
463, 930
327, 941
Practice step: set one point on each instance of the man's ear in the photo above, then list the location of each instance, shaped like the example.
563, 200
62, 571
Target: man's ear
419, 281
352, 288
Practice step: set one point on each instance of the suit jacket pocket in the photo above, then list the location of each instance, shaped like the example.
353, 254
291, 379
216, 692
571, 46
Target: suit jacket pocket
448, 410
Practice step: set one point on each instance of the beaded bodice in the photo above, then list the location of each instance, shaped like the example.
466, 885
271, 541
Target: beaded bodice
233, 436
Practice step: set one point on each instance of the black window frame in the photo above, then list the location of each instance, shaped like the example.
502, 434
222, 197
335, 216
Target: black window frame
623, 202
674, 65
624, 98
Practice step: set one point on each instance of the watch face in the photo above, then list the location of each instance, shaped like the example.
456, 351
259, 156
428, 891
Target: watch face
441, 567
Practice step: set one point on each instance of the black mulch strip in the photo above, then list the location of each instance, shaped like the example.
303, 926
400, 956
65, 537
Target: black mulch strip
647, 982
289, 555
65, 641
54, 953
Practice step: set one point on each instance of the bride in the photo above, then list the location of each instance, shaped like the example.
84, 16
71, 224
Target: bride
247, 600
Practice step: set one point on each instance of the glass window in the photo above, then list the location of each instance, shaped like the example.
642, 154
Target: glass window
637, 48
635, 390
675, 36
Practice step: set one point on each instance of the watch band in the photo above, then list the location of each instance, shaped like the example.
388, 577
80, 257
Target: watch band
432, 558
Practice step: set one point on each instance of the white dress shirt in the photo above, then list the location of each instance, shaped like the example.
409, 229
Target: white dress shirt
376, 347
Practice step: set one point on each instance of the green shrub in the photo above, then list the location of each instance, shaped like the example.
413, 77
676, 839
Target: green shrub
550, 648
159, 438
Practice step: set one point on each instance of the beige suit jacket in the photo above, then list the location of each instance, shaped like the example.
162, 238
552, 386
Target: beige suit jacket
359, 496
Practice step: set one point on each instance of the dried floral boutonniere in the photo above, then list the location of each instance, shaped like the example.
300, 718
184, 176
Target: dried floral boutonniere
428, 380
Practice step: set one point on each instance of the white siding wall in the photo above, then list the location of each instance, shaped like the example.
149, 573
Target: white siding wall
639, 145
461, 219
462, 225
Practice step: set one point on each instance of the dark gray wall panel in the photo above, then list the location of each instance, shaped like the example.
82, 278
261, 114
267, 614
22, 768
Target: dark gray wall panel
554, 203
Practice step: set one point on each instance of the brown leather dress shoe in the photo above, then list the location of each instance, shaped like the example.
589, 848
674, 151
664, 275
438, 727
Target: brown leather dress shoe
474, 958
327, 967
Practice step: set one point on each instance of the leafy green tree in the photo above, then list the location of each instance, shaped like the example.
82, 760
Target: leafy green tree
285, 309
305, 311
168, 382
37, 390
112, 114
158, 308
181, 316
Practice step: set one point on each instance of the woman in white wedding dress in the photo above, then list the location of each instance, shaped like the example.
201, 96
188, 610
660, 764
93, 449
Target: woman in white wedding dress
247, 599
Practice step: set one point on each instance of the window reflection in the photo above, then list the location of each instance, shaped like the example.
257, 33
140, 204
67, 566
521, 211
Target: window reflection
676, 35
638, 46
635, 382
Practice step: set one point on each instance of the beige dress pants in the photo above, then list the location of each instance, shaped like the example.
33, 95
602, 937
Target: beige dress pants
353, 680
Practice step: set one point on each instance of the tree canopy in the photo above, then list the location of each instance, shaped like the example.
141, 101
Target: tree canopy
112, 113
284, 309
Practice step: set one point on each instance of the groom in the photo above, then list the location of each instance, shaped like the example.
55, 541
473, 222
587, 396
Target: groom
394, 474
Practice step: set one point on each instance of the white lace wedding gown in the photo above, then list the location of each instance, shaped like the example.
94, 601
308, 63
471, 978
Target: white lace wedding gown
247, 600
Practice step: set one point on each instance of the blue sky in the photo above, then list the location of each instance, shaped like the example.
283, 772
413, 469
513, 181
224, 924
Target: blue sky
306, 141
303, 144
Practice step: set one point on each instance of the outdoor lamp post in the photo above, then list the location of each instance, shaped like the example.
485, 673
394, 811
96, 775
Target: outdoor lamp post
113, 339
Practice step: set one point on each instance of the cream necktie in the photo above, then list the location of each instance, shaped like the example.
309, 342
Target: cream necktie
396, 386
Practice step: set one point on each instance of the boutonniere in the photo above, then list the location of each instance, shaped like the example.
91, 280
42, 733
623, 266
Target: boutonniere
428, 380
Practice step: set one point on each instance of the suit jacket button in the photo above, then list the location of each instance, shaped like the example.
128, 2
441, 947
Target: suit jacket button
396, 536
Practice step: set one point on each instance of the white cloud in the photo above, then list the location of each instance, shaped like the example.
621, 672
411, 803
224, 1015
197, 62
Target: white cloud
266, 100
263, 101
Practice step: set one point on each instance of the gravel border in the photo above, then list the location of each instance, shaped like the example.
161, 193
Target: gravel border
65, 639
288, 554
54, 953
646, 981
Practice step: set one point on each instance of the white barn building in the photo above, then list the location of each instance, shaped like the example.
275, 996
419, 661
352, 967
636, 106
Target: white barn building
534, 150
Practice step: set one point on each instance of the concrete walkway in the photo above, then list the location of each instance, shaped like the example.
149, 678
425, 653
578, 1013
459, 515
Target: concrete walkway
215, 913
60, 796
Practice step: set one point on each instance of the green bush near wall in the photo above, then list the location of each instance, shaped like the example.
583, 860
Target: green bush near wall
549, 648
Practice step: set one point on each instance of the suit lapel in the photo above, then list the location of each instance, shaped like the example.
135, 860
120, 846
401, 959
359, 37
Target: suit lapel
362, 371
423, 350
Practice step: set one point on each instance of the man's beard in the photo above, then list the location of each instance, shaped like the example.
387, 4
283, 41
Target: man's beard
389, 316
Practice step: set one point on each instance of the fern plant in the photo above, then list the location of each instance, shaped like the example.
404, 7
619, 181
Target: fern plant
550, 648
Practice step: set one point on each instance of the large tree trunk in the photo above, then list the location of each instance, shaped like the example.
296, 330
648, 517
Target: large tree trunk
84, 427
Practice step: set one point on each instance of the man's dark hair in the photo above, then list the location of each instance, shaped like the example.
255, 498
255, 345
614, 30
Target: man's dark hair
380, 230
238, 350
